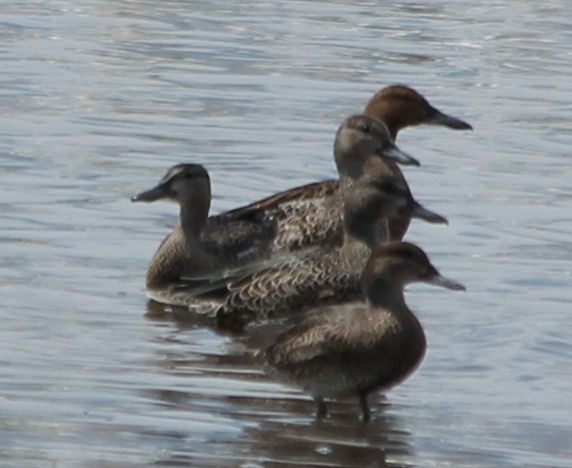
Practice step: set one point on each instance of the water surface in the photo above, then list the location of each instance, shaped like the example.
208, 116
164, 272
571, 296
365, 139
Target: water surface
100, 98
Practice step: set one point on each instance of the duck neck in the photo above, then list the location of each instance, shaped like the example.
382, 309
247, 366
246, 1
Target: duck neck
191, 223
346, 181
365, 211
181, 251
408, 340
393, 126
386, 293
369, 232
192, 220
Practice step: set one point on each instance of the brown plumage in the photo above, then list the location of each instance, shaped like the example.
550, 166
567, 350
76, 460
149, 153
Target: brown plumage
296, 210
399, 107
351, 352
185, 260
318, 276
182, 252
304, 217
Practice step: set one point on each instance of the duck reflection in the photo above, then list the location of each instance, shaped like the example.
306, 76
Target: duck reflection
228, 412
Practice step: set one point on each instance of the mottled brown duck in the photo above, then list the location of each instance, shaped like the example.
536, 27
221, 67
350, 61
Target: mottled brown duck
298, 213
322, 275
184, 260
352, 352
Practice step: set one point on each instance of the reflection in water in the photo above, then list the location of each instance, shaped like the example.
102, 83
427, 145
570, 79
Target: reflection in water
340, 440
277, 425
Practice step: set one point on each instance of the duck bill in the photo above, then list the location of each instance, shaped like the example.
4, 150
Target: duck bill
419, 211
156, 193
393, 152
439, 280
436, 117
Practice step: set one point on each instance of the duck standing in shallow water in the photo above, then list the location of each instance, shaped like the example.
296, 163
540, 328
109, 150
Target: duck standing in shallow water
300, 218
352, 353
183, 260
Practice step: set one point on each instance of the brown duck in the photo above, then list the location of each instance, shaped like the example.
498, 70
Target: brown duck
184, 260
317, 276
300, 219
354, 352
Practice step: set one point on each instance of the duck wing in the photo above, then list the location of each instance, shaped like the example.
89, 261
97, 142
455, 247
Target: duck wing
304, 192
338, 331
289, 286
287, 221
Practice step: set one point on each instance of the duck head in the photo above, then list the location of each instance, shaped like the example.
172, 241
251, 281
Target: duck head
400, 263
188, 185
180, 183
375, 197
358, 138
400, 106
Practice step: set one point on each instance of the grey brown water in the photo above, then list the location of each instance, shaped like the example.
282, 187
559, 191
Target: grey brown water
99, 98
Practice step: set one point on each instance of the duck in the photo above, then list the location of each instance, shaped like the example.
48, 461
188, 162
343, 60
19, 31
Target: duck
351, 352
400, 106
299, 221
181, 252
295, 283
183, 260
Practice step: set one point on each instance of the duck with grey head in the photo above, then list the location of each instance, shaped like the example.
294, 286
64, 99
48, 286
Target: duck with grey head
321, 275
183, 261
181, 252
303, 215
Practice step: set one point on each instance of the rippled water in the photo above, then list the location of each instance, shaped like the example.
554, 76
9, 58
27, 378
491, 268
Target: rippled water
100, 97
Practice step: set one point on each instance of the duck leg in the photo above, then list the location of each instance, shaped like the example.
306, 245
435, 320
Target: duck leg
366, 416
322, 410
